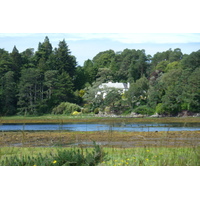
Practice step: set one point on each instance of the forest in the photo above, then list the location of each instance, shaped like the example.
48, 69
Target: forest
49, 81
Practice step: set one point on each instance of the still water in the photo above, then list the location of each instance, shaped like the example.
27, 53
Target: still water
141, 127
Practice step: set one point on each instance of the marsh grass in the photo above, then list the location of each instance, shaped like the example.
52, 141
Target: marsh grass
161, 156
92, 118
76, 156
148, 149
57, 157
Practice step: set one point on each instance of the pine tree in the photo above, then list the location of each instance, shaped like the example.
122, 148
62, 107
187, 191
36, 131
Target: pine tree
64, 61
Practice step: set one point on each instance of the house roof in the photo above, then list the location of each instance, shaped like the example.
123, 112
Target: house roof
115, 85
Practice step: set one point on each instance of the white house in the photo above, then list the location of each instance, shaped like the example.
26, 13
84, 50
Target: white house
123, 87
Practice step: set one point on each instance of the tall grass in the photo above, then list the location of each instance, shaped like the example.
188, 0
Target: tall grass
60, 157
152, 156
159, 156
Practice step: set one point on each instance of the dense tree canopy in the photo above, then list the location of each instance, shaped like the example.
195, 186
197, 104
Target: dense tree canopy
36, 82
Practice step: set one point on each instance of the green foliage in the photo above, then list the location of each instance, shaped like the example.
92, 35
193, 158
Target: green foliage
9, 93
112, 97
29, 91
36, 82
86, 110
107, 110
71, 157
160, 109
66, 108
96, 111
144, 110
150, 156
137, 93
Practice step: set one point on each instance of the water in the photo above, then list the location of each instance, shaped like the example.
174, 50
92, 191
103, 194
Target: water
139, 127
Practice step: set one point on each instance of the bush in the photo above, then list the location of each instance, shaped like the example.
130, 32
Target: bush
96, 111
128, 111
76, 113
85, 110
160, 109
66, 108
144, 110
107, 110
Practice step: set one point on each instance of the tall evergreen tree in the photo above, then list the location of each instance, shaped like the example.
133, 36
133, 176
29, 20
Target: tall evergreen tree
9, 99
16, 63
30, 96
64, 61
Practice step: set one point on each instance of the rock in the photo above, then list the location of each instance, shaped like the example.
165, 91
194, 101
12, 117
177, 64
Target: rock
155, 115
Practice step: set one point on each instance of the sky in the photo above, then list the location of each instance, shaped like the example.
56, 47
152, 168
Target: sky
86, 45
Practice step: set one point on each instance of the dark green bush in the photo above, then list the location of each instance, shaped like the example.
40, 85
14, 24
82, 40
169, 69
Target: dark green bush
96, 111
66, 108
144, 110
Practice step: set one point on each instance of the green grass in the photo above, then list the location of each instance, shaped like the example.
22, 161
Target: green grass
160, 156
90, 118
47, 157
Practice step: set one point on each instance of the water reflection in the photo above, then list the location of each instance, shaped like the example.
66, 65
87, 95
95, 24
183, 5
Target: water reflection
141, 127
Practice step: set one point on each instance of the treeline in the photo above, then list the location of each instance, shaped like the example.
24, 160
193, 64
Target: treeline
167, 83
39, 82
35, 82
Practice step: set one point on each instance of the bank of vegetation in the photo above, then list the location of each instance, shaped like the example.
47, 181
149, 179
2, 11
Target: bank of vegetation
49, 81
100, 157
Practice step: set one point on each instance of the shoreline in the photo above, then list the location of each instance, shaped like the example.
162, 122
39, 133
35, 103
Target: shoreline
93, 118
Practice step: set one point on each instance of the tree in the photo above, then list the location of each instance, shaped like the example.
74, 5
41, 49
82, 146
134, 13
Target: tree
90, 71
9, 100
104, 75
113, 98
28, 58
5, 62
64, 61
175, 55
30, 96
103, 59
16, 63
137, 93
59, 88
42, 55
191, 61
189, 86
44, 50
80, 78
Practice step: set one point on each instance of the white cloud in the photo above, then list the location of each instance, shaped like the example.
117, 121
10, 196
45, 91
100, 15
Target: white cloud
126, 38
158, 38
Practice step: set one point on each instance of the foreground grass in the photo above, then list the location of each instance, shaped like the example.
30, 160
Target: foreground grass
55, 157
160, 156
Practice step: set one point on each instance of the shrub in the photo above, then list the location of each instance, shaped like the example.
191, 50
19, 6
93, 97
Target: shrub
96, 111
85, 110
160, 109
76, 113
66, 108
107, 110
144, 110
128, 111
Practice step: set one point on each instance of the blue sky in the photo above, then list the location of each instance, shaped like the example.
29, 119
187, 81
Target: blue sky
86, 45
